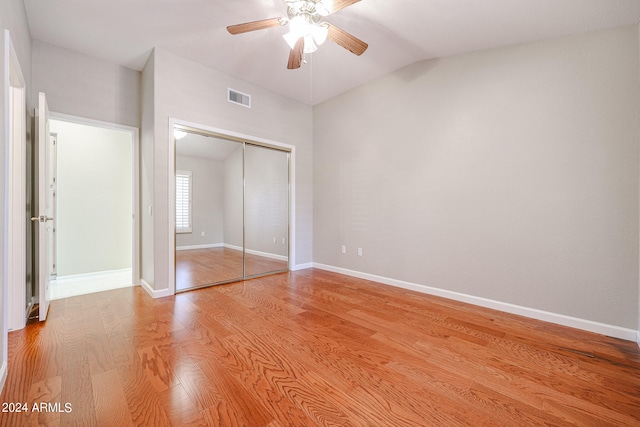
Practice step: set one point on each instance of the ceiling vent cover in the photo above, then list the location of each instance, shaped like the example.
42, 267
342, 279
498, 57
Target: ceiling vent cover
238, 98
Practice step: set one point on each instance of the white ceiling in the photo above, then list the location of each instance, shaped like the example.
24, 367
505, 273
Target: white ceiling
399, 33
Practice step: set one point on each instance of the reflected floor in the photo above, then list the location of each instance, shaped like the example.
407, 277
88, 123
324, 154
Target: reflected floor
200, 267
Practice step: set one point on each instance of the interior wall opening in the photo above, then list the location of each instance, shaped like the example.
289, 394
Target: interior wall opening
93, 191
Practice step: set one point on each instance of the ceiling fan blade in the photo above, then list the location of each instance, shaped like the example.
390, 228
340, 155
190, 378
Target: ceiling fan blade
254, 26
336, 5
295, 56
346, 40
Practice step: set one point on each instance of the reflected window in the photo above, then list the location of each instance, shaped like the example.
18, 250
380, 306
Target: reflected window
183, 201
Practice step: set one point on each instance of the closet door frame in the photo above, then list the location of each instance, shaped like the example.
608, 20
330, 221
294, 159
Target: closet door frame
232, 136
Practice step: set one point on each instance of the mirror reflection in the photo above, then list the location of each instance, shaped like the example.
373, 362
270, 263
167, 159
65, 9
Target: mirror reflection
208, 211
266, 210
232, 211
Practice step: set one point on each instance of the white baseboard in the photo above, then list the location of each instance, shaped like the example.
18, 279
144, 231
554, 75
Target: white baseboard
207, 246
302, 266
3, 373
638, 338
94, 274
560, 319
153, 292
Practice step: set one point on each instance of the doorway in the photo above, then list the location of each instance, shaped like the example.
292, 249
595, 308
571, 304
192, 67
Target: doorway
94, 193
232, 208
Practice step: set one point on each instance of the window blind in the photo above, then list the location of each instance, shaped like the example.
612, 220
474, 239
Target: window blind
183, 201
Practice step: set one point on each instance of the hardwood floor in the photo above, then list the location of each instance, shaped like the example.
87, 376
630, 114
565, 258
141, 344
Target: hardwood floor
312, 348
200, 267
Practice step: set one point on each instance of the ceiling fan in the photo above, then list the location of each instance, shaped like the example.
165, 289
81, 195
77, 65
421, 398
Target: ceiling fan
307, 29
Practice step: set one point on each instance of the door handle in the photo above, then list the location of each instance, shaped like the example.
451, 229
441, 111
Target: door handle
41, 218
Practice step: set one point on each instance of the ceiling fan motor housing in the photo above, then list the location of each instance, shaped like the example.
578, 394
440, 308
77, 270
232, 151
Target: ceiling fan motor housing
312, 11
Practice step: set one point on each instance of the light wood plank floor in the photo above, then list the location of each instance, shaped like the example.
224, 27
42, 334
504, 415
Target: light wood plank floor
312, 348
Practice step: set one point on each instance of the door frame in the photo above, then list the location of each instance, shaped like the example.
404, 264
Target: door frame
15, 267
171, 188
135, 135
53, 164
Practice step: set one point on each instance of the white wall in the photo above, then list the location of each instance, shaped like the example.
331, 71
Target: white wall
94, 198
192, 92
147, 138
82, 86
206, 177
509, 175
13, 18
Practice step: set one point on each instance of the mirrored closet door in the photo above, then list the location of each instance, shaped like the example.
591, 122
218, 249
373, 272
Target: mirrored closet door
232, 209
266, 211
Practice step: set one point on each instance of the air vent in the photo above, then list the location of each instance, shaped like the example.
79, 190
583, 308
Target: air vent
238, 98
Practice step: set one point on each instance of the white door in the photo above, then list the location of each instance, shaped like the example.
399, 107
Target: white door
45, 205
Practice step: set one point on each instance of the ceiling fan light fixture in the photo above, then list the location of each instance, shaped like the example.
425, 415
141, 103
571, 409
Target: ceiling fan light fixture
319, 33
301, 25
291, 39
309, 45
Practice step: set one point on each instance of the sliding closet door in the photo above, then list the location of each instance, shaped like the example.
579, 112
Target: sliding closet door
209, 206
232, 210
266, 215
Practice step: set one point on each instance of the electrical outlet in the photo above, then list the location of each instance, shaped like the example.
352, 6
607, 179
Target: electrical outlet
359, 251
274, 239
203, 234
284, 241
344, 249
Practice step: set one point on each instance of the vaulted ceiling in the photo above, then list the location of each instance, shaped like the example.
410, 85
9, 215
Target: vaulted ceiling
399, 33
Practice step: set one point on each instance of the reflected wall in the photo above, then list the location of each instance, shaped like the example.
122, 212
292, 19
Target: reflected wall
266, 209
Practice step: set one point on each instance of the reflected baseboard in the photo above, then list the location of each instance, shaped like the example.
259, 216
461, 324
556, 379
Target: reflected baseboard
258, 253
235, 248
207, 246
268, 255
